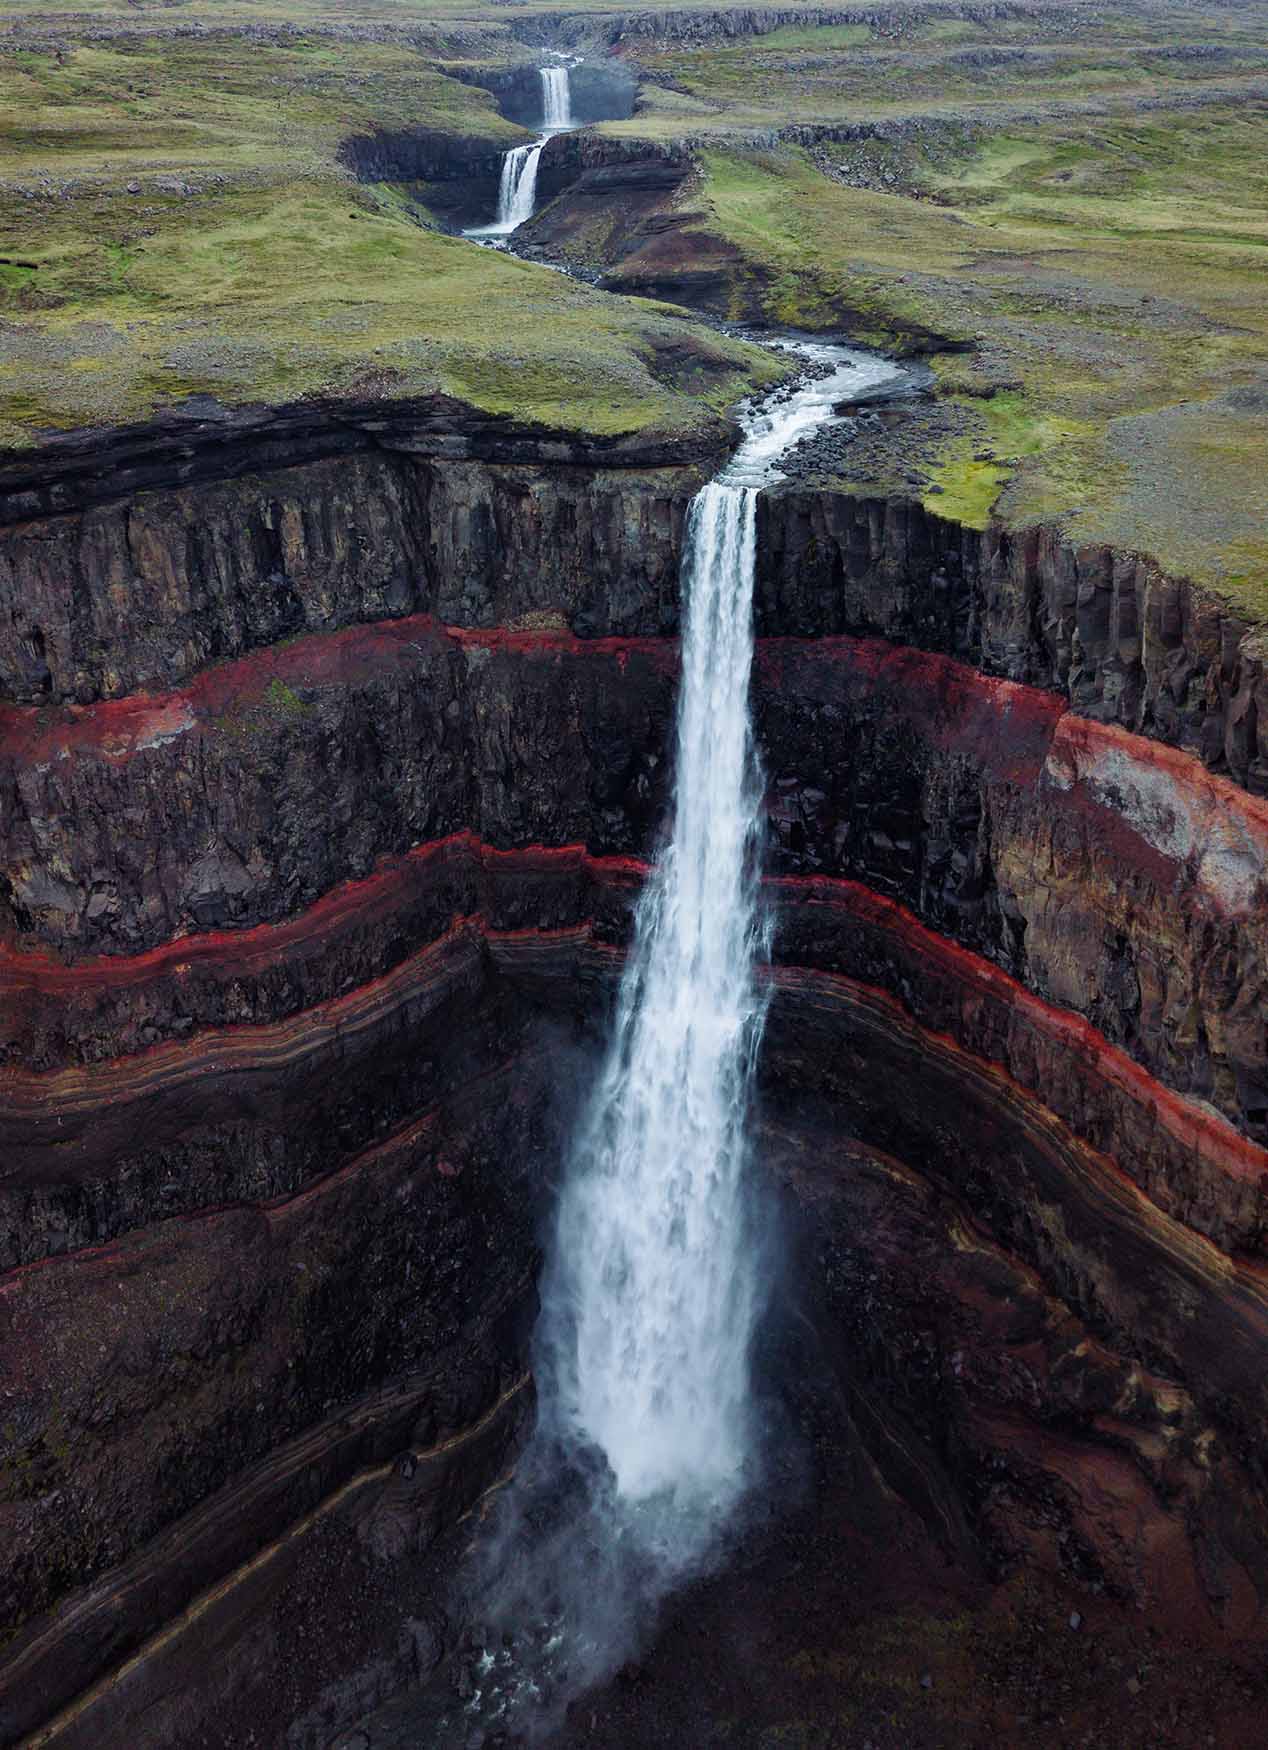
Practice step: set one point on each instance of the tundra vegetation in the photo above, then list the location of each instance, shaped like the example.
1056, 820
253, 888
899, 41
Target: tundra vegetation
1067, 209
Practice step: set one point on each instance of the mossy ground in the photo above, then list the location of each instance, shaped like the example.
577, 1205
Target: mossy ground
175, 220
908, 61
1080, 213
1074, 204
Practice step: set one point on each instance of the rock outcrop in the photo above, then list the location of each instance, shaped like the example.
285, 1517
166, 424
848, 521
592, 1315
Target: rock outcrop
1123, 642
218, 548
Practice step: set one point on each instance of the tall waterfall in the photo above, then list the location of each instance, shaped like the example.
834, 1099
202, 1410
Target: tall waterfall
654, 1283
653, 1269
655, 1279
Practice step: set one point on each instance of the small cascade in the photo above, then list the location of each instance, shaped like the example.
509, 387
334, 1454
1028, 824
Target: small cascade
556, 99
517, 189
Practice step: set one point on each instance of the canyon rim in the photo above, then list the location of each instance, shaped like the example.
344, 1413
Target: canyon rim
633, 874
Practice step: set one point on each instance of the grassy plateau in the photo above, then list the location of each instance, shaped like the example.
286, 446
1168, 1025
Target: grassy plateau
175, 220
1066, 207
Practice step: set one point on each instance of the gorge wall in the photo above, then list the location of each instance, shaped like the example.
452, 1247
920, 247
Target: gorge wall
331, 756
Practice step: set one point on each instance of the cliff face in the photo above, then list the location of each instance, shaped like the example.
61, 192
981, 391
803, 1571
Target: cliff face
1124, 643
599, 90
238, 530
327, 786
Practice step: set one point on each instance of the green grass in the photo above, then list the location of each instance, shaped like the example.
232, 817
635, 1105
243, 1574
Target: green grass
307, 288
1095, 268
1103, 273
194, 231
898, 67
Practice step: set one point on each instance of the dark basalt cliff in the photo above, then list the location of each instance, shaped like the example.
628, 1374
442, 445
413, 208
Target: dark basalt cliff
133, 562
331, 754
1122, 641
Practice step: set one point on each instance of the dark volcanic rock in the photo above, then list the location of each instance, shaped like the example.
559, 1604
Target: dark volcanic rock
1054, 1447
479, 524
156, 1368
1124, 643
335, 736
982, 1396
599, 90
1112, 875
404, 732
141, 593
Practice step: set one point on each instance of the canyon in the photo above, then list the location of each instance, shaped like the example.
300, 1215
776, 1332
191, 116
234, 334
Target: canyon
283, 1080
336, 751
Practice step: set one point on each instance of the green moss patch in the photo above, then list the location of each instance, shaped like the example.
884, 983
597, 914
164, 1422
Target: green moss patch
175, 220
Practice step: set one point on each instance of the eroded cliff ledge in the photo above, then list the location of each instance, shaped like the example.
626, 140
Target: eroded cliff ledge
435, 510
886, 1047
327, 782
1115, 876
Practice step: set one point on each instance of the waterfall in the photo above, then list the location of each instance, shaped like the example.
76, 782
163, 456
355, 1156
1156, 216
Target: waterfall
655, 1280
655, 1275
517, 187
517, 190
652, 1255
556, 99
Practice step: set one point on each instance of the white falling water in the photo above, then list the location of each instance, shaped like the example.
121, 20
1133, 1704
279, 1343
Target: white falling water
556, 99
517, 187
645, 1442
517, 190
651, 1228
655, 1274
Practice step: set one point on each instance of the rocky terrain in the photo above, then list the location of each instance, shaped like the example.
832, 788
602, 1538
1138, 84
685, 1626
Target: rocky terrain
339, 608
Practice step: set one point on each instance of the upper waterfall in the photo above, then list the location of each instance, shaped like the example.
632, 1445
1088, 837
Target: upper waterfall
556, 98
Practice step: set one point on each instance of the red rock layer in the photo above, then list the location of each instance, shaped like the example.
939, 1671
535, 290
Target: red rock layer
119, 729
983, 1395
1186, 1157
146, 1374
847, 1061
1119, 639
142, 591
73, 1121
53, 1013
1110, 875
1168, 815
848, 1058
249, 1296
